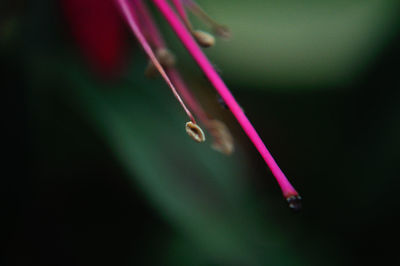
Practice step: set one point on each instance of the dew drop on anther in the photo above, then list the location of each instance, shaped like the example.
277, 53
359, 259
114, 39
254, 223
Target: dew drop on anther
294, 202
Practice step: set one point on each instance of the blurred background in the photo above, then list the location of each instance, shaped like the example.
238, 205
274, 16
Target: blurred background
99, 169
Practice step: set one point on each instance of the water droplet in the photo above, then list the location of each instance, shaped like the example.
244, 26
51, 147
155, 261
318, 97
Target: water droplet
294, 203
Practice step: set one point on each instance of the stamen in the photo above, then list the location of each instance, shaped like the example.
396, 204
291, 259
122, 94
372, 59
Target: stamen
221, 30
190, 44
191, 101
156, 40
182, 13
195, 132
166, 59
130, 17
164, 56
146, 23
203, 38
223, 140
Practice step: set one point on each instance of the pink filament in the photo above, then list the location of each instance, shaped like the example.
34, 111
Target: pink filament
188, 96
181, 11
156, 40
191, 45
128, 13
147, 24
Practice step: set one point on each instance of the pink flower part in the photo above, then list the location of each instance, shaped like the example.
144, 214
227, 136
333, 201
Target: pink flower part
129, 15
191, 45
187, 96
155, 39
181, 10
147, 25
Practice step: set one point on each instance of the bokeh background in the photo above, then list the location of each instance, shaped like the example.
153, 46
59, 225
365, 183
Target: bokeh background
99, 169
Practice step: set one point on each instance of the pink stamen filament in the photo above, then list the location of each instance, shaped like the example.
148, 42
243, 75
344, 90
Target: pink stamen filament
182, 13
129, 14
205, 39
191, 45
187, 95
147, 24
156, 40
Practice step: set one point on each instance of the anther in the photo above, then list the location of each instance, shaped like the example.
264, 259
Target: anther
223, 140
203, 38
195, 132
166, 59
131, 18
294, 202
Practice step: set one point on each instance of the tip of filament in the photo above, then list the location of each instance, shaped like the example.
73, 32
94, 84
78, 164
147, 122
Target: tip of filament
203, 38
294, 203
195, 132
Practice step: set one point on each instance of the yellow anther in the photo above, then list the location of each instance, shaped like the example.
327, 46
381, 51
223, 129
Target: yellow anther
195, 132
203, 38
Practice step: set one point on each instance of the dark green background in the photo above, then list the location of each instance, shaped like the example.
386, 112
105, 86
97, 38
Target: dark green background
101, 172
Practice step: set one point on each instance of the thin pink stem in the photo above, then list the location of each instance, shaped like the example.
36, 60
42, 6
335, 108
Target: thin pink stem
126, 10
191, 45
187, 95
156, 40
147, 24
182, 12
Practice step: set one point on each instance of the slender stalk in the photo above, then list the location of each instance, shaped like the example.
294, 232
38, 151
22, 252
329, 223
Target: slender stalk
205, 39
187, 95
222, 139
147, 24
156, 40
130, 17
191, 45
182, 13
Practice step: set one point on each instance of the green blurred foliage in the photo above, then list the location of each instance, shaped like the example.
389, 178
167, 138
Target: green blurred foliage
301, 44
